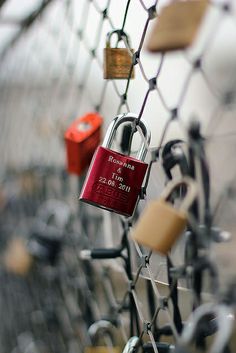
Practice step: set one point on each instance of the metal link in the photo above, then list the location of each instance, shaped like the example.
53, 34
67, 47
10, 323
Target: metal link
68, 40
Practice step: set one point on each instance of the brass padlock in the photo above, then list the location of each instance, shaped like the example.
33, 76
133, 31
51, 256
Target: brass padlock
101, 336
16, 258
117, 61
177, 25
101, 349
161, 224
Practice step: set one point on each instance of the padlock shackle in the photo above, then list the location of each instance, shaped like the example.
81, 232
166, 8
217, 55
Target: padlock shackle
120, 33
124, 118
225, 318
131, 344
98, 327
191, 192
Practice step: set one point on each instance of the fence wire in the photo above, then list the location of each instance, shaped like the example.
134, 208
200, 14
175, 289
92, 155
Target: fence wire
51, 71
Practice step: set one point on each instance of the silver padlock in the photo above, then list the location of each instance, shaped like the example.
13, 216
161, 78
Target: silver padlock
131, 345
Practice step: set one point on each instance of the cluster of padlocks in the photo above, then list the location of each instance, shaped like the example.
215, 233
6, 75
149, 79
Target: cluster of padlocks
116, 181
115, 176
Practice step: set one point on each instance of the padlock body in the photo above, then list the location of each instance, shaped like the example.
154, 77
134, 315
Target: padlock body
117, 63
16, 258
159, 226
102, 349
82, 138
177, 25
114, 181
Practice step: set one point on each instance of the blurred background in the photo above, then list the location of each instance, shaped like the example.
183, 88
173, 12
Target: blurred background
51, 72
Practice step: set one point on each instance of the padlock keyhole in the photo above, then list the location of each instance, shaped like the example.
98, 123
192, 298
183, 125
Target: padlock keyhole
84, 126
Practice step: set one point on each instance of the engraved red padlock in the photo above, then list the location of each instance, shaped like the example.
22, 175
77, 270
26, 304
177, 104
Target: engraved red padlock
82, 138
114, 180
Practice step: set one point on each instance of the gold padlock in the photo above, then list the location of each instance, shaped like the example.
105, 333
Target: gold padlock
102, 349
117, 61
101, 336
161, 224
16, 258
177, 25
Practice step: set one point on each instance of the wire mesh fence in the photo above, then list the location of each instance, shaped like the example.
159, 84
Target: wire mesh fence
104, 287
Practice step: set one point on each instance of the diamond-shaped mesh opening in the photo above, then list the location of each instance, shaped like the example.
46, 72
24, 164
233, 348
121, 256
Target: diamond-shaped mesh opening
51, 72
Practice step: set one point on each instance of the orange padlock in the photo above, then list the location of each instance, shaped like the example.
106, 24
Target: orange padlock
82, 138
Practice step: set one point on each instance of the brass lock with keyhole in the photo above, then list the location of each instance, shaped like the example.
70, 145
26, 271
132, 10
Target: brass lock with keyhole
177, 25
161, 223
118, 61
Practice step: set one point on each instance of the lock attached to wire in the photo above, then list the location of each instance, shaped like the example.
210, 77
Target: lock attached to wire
117, 61
82, 138
114, 180
177, 25
161, 224
102, 338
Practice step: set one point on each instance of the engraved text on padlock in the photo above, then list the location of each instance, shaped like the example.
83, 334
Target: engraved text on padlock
114, 180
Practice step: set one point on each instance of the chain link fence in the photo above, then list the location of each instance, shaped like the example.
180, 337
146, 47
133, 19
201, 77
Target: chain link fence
51, 72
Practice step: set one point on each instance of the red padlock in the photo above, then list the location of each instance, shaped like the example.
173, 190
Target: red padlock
114, 180
82, 138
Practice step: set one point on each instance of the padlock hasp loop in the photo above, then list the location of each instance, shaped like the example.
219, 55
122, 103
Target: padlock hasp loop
120, 33
124, 118
191, 191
